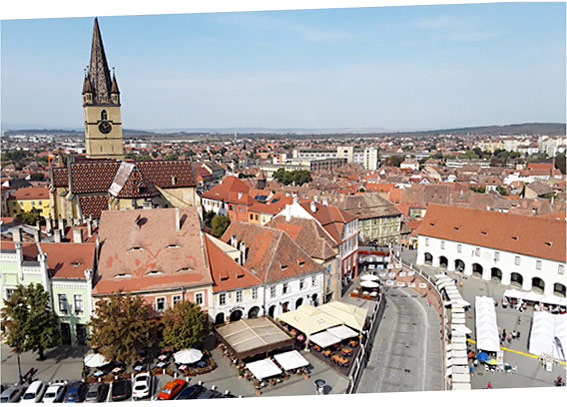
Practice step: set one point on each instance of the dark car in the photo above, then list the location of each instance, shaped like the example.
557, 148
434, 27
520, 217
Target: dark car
97, 392
13, 394
191, 392
228, 396
77, 392
210, 394
121, 390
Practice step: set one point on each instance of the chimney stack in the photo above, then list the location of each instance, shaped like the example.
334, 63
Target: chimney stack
89, 227
177, 220
233, 241
17, 235
57, 235
242, 253
37, 235
313, 207
77, 235
49, 226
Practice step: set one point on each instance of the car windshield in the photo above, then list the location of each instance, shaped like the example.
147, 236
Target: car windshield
93, 393
167, 391
29, 396
49, 395
141, 378
140, 387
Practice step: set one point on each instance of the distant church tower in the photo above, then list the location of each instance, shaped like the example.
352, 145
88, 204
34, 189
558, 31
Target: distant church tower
101, 103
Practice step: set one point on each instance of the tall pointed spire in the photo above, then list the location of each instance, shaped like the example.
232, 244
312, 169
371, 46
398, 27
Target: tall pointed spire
99, 74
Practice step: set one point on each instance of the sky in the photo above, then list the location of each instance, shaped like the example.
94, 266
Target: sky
391, 68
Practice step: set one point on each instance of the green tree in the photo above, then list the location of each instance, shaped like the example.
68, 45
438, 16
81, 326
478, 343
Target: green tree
123, 325
30, 322
184, 326
394, 160
31, 217
219, 223
208, 216
502, 190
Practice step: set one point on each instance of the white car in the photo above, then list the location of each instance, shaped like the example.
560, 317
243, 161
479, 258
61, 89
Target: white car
55, 393
35, 392
142, 386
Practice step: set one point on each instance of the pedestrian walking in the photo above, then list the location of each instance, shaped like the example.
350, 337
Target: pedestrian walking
518, 335
472, 369
509, 339
489, 385
429, 303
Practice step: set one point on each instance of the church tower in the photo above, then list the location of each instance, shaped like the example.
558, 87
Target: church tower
101, 104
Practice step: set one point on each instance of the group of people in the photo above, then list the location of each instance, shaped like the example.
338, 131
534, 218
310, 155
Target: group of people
509, 337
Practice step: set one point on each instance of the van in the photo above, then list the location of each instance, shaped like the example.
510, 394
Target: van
35, 392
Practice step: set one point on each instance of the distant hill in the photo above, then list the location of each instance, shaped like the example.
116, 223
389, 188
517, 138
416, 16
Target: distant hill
552, 129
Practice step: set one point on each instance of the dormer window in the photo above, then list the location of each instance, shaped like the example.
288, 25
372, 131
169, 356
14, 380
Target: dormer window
184, 269
75, 264
483, 232
456, 228
122, 275
154, 273
548, 243
135, 249
172, 246
283, 266
515, 237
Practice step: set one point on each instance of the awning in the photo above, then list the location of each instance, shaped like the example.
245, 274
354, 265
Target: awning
324, 339
95, 360
487, 335
461, 328
291, 360
188, 356
249, 337
263, 368
309, 319
369, 284
369, 277
461, 386
461, 378
350, 315
548, 335
531, 296
342, 332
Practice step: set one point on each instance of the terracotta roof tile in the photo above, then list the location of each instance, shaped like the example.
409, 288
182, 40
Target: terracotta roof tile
31, 193
529, 235
69, 260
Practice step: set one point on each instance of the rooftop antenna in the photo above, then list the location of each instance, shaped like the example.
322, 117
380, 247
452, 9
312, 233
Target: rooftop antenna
113, 71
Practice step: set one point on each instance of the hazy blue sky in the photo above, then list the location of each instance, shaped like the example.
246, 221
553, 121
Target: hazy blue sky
393, 68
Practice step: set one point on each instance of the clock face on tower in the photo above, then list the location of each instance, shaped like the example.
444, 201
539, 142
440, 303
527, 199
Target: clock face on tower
105, 127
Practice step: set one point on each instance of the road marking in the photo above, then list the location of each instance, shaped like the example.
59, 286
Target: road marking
518, 352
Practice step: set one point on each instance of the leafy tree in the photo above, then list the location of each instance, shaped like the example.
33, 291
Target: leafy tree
394, 160
30, 322
502, 190
122, 326
208, 216
219, 224
298, 177
31, 217
172, 156
560, 163
479, 189
185, 326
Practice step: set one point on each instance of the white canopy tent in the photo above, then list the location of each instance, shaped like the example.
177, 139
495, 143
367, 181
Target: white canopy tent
487, 335
309, 319
369, 284
531, 296
291, 360
95, 360
263, 368
461, 378
324, 339
342, 332
350, 315
461, 386
460, 328
546, 328
369, 277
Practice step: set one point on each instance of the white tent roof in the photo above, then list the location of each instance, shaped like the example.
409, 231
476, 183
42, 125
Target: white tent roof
291, 360
369, 284
263, 368
545, 328
343, 332
324, 339
461, 386
188, 356
95, 360
487, 335
460, 328
461, 378
531, 296
369, 277
350, 315
309, 319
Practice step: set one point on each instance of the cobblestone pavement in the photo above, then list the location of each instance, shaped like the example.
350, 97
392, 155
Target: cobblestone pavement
406, 354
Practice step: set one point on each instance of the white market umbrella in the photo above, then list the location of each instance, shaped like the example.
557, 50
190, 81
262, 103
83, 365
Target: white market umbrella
95, 360
461, 328
369, 277
369, 284
187, 356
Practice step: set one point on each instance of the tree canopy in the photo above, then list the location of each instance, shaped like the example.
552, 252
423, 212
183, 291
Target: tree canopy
219, 223
185, 326
31, 217
30, 322
394, 160
297, 177
122, 326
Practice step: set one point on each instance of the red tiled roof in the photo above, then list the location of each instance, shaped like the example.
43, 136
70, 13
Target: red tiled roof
130, 183
331, 218
141, 250
69, 260
226, 273
29, 249
93, 205
222, 190
31, 193
529, 235
272, 254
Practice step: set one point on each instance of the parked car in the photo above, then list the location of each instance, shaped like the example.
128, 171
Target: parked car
171, 389
55, 393
12, 394
77, 392
210, 394
35, 392
191, 392
142, 386
98, 392
121, 389
228, 396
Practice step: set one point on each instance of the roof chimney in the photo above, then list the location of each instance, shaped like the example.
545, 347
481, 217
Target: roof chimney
242, 253
57, 235
177, 220
325, 201
17, 235
77, 235
313, 207
48, 226
37, 235
89, 227
233, 241
296, 199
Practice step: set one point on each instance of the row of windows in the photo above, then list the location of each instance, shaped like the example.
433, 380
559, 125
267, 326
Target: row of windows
238, 296
161, 303
517, 259
64, 306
